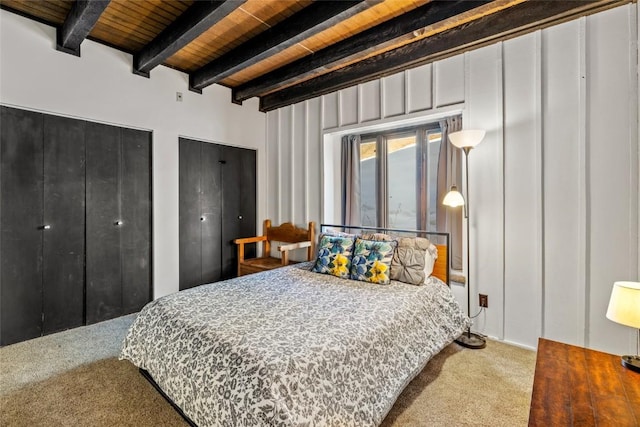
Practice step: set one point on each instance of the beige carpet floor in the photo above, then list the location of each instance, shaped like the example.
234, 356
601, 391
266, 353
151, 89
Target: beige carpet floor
459, 387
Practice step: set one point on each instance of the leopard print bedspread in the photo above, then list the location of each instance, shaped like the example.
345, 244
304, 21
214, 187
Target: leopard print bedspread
291, 347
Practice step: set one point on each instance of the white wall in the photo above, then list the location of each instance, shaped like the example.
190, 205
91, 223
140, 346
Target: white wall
100, 86
554, 185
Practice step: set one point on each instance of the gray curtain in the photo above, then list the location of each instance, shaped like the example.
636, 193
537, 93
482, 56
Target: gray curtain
350, 168
450, 173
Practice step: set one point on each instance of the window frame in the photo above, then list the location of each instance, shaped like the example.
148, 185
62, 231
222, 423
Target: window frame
421, 133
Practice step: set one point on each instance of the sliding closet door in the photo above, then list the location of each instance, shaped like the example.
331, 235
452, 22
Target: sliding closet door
63, 241
217, 205
21, 225
135, 231
190, 165
103, 266
210, 205
239, 204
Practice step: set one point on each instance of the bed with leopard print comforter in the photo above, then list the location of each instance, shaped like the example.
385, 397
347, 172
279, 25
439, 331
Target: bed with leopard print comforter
290, 347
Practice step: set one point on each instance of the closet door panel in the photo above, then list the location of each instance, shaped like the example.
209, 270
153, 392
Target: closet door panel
210, 202
63, 242
190, 154
103, 263
248, 195
135, 231
238, 214
21, 221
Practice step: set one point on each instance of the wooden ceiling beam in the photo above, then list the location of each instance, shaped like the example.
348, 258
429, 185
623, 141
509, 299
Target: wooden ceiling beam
197, 19
512, 22
376, 38
311, 20
79, 22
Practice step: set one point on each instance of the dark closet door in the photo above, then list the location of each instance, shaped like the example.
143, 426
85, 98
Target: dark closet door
135, 231
103, 263
63, 244
190, 167
21, 223
239, 204
211, 212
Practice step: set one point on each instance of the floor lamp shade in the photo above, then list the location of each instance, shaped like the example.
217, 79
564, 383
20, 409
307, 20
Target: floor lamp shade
468, 138
624, 308
453, 198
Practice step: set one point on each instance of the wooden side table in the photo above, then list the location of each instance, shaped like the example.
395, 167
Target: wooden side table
575, 386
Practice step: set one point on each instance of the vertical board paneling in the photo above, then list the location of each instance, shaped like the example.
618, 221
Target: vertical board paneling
314, 162
394, 94
330, 111
286, 164
610, 166
563, 182
448, 74
370, 101
522, 219
553, 185
486, 192
637, 134
273, 165
419, 88
298, 146
349, 106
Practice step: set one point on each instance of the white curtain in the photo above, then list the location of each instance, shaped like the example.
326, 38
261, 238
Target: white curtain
450, 173
350, 168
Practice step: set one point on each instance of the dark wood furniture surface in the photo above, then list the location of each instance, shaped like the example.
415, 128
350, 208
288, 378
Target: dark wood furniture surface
75, 241
575, 386
217, 205
298, 238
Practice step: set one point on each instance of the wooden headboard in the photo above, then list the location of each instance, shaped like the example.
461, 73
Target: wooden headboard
440, 268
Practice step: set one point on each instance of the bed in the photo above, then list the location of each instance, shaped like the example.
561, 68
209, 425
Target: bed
291, 347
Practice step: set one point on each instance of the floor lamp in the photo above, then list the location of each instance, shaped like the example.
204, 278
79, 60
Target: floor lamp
465, 139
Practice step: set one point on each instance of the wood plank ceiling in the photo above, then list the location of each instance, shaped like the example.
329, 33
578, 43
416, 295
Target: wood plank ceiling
286, 51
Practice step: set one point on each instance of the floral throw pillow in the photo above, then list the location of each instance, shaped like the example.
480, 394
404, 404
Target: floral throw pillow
334, 256
372, 260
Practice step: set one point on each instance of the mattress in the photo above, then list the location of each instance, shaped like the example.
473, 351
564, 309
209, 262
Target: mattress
290, 347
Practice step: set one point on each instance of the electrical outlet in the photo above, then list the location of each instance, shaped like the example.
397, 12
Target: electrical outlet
484, 300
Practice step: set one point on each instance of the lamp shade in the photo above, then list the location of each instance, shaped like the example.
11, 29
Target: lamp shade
453, 198
624, 305
466, 138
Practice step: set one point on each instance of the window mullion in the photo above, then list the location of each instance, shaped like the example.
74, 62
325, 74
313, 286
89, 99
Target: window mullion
382, 182
422, 179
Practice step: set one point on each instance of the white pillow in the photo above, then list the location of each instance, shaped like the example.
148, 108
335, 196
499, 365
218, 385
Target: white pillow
431, 255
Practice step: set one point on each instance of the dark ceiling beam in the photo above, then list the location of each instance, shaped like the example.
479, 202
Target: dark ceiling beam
512, 22
374, 39
311, 20
79, 22
197, 19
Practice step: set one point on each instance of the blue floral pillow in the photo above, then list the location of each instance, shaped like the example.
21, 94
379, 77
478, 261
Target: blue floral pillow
372, 260
334, 256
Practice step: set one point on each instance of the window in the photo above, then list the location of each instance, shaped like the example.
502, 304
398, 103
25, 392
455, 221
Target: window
399, 176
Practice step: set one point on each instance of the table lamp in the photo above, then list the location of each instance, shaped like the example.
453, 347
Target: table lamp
624, 308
